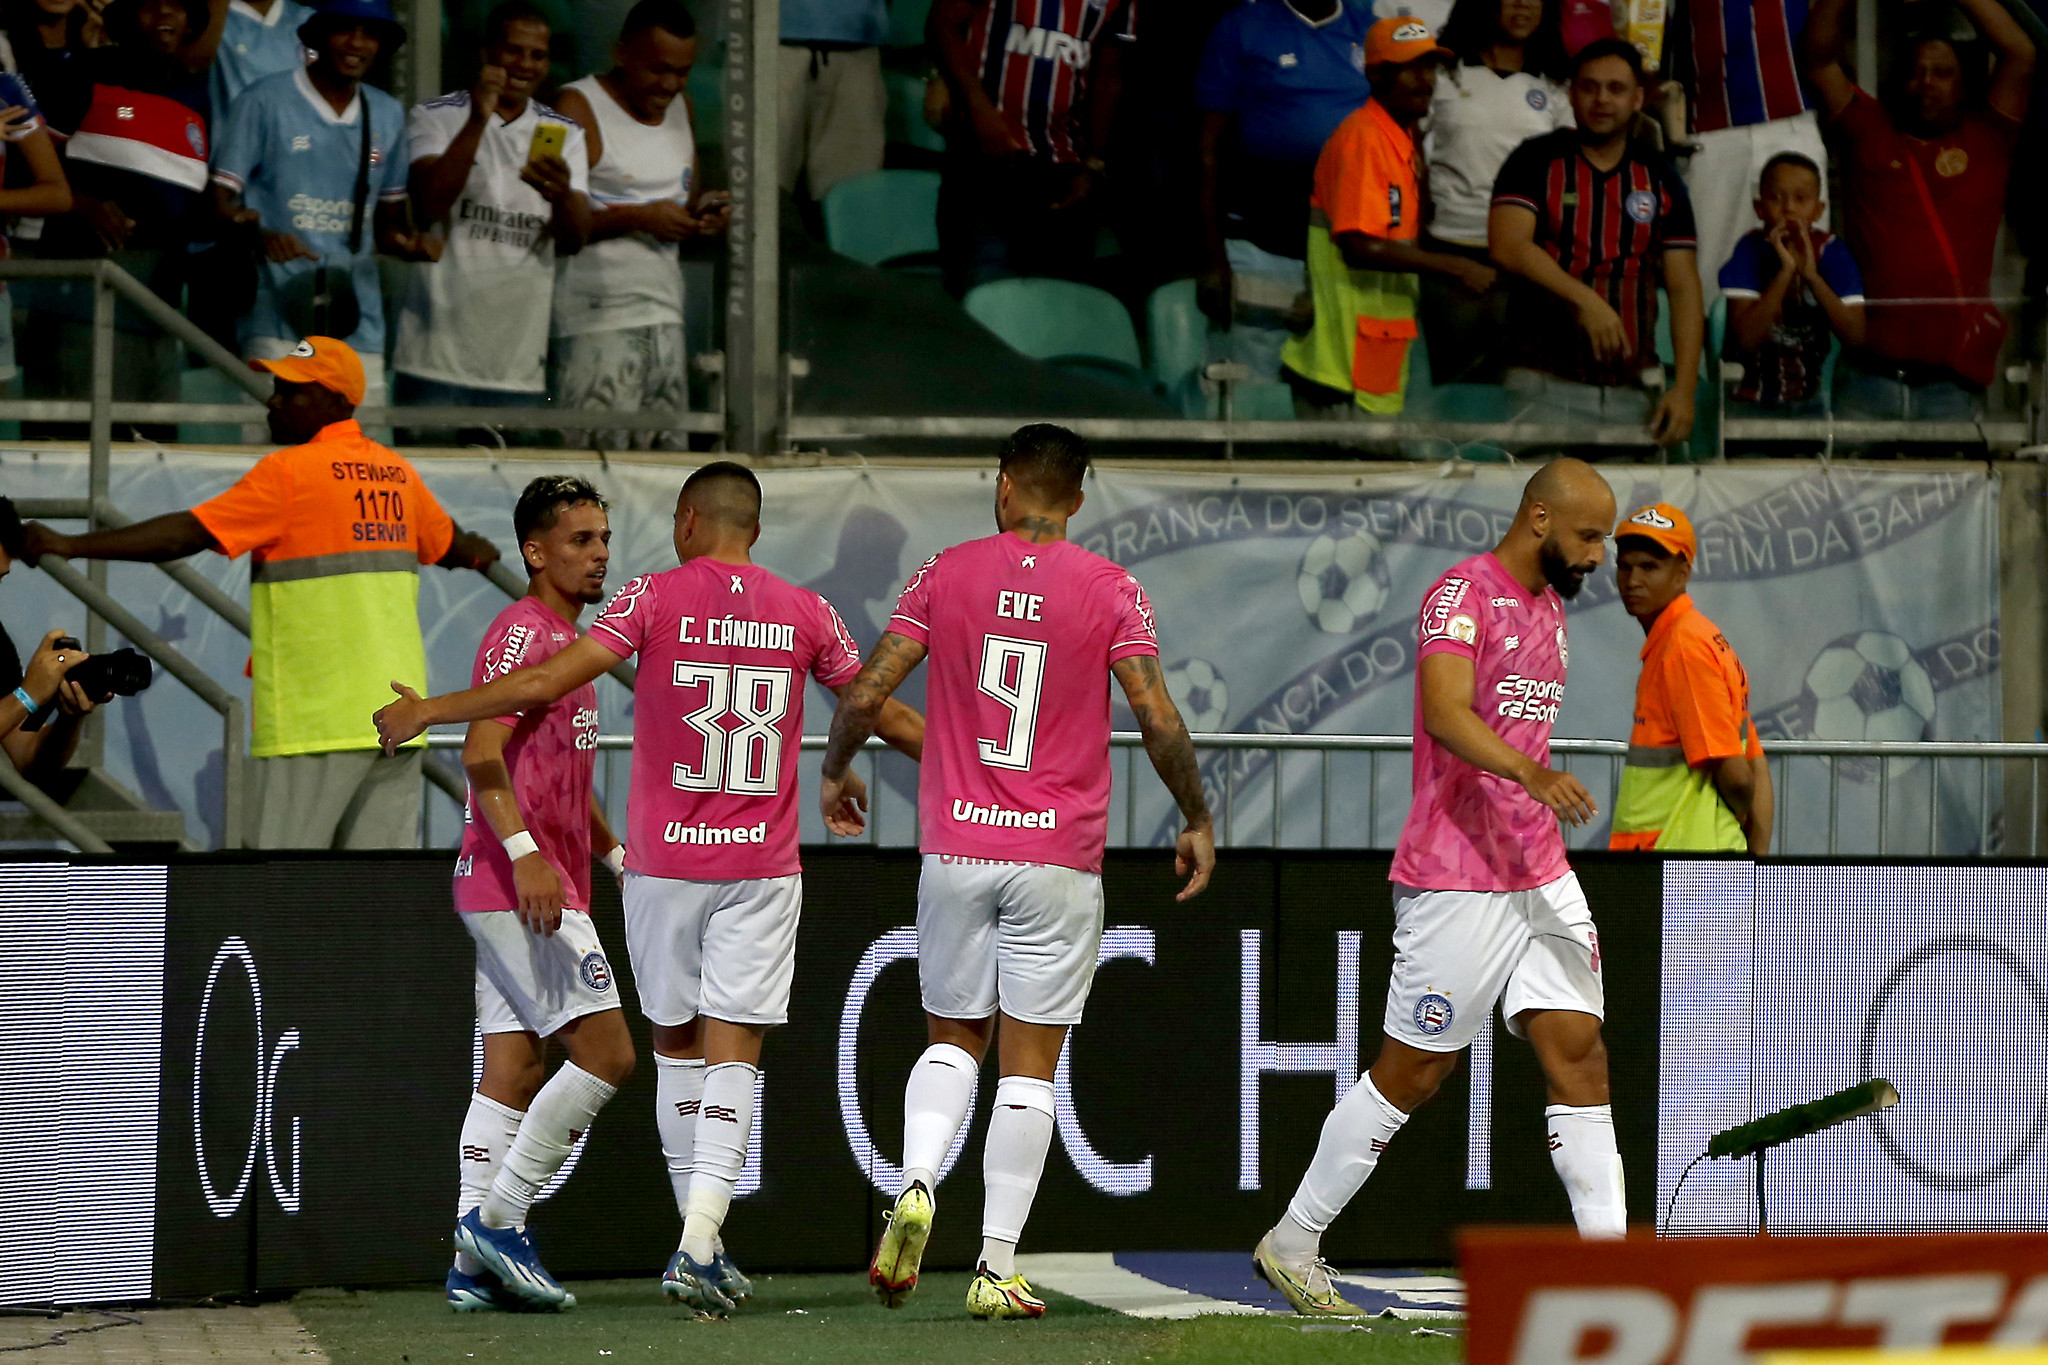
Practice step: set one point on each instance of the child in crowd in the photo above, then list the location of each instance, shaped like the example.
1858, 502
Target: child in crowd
1788, 286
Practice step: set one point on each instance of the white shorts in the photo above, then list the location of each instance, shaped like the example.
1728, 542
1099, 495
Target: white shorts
1456, 952
1023, 936
726, 950
529, 984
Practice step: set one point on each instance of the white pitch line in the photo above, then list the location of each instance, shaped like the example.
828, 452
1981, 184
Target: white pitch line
1096, 1278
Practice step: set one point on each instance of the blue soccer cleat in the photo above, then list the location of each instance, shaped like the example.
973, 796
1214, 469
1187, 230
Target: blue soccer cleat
735, 1285
696, 1284
508, 1253
472, 1293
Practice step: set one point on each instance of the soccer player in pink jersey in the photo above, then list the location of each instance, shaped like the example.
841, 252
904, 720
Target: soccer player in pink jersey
1486, 908
522, 887
713, 884
1013, 808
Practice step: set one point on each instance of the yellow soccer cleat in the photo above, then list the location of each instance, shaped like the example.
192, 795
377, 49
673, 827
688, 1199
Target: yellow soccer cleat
989, 1297
908, 1226
1307, 1289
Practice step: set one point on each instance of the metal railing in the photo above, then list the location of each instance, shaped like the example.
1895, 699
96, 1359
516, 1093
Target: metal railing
1332, 808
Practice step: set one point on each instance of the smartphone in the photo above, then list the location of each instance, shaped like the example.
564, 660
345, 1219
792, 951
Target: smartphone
14, 91
548, 140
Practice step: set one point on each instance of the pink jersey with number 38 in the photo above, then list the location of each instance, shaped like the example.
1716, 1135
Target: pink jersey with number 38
1020, 638
718, 714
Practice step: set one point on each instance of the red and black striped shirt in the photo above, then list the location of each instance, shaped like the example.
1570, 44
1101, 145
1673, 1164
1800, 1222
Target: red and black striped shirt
1607, 229
1035, 56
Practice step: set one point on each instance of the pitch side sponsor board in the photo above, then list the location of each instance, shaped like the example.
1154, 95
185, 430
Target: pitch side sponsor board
1543, 1297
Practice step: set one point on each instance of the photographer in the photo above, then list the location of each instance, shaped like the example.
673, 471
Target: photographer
36, 753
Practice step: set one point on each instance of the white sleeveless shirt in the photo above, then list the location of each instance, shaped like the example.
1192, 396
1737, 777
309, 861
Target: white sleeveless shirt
630, 281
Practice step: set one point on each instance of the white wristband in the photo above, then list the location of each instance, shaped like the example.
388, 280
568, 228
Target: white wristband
616, 860
517, 846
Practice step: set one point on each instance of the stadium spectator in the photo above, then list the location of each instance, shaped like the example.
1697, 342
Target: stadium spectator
618, 312
1277, 77
1791, 288
1924, 177
137, 167
506, 179
833, 100
25, 142
1364, 217
258, 38
1748, 105
305, 512
37, 754
306, 160
1696, 778
1591, 223
1507, 86
46, 45
1030, 112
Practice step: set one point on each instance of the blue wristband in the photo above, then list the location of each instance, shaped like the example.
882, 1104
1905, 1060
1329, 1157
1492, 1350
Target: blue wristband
28, 703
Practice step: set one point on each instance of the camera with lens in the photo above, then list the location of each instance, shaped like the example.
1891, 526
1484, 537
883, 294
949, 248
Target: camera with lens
122, 673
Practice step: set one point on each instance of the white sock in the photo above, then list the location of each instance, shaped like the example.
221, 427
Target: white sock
487, 1132
1013, 1157
560, 1112
935, 1101
1354, 1135
1582, 1148
722, 1128
678, 1090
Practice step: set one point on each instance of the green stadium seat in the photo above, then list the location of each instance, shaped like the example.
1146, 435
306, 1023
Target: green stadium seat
906, 22
1177, 337
883, 216
904, 119
1056, 319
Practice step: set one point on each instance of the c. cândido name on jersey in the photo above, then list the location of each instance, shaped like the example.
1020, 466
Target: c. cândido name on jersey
967, 813
736, 633
489, 223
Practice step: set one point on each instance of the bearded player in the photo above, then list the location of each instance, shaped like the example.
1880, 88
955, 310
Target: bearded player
522, 887
713, 884
1013, 807
1486, 909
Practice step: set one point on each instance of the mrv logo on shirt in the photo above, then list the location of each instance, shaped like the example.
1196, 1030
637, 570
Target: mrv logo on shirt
967, 813
1529, 698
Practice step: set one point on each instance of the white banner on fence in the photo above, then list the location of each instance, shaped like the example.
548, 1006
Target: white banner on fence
1863, 601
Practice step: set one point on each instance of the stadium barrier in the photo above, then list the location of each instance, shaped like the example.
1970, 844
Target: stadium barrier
248, 1071
1357, 792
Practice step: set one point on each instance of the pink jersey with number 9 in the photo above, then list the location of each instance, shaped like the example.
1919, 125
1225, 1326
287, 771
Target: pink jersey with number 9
1020, 638
718, 714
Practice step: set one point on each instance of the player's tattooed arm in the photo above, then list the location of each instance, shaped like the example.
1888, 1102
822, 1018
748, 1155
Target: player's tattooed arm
1172, 753
520, 690
863, 701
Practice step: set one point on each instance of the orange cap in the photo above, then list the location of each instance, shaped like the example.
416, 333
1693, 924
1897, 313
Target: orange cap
1664, 525
1399, 39
320, 360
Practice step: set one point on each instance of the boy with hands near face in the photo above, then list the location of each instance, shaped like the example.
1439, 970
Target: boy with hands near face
1789, 286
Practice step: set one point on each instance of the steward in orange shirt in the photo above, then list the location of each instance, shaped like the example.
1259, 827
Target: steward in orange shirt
338, 526
1696, 776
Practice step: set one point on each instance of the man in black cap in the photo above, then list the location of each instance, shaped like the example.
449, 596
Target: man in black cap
309, 169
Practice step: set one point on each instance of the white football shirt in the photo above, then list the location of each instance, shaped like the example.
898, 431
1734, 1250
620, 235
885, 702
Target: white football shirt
1477, 117
634, 280
479, 316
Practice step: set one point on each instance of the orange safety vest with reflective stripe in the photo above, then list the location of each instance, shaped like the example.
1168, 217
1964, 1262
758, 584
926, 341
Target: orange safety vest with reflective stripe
1692, 708
338, 528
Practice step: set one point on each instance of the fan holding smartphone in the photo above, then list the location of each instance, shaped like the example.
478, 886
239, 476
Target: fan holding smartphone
309, 171
505, 181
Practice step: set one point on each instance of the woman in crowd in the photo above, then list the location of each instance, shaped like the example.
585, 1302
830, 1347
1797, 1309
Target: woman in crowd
1507, 87
46, 42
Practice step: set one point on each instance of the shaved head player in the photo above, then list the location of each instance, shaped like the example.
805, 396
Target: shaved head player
713, 884
1486, 909
1012, 810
